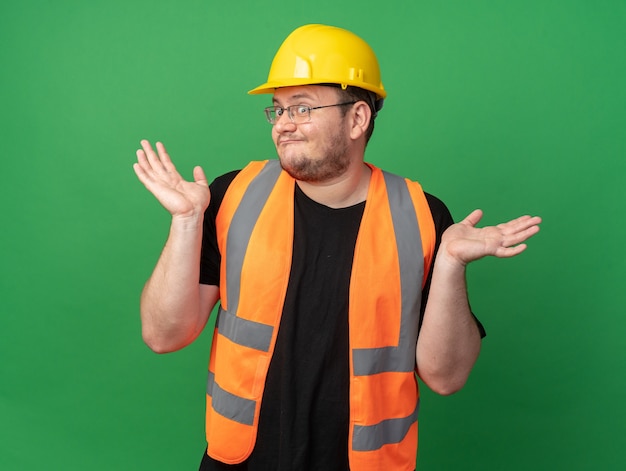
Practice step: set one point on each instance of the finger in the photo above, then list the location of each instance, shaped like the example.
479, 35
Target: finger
521, 222
142, 163
199, 176
140, 172
520, 236
508, 252
164, 157
141, 157
161, 150
473, 218
151, 157
146, 146
143, 176
150, 170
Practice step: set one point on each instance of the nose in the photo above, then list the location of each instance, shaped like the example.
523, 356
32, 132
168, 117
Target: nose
284, 123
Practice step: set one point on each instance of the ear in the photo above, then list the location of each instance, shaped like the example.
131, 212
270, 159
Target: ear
361, 115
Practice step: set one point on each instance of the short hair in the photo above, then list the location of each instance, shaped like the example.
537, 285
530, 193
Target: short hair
351, 93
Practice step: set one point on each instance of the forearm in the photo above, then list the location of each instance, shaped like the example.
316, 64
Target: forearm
449, 340
170, 302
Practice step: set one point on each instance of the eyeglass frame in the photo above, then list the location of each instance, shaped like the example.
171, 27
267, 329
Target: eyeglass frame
289, 109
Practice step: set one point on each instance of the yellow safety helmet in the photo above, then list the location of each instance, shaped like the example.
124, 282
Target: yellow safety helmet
314, 54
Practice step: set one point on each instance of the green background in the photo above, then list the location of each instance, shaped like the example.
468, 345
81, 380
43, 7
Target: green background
514, 107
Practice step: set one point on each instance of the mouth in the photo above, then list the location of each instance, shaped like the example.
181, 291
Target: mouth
283, 142
286, 139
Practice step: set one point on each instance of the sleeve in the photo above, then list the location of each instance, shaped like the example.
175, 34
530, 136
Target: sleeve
210, 256
442, 219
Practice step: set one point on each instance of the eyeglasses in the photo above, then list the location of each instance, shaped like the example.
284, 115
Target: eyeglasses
298, 114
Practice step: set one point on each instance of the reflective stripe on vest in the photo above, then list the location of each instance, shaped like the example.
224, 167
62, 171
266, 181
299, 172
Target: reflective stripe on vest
397, 358
241, 228
400, 358
234, 407
374, 437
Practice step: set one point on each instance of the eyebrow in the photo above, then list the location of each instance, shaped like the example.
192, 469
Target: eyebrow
297, 96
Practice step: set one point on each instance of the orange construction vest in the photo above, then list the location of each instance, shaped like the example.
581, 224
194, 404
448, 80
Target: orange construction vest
396, 240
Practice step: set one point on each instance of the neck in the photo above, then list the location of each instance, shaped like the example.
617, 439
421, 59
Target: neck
343, 191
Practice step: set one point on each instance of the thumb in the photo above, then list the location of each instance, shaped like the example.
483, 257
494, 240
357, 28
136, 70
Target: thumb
199, 177
473, 218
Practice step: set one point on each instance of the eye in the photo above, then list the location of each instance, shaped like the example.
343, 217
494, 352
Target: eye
302, 110
279, 111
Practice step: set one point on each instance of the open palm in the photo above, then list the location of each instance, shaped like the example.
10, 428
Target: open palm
159, 175
466, 242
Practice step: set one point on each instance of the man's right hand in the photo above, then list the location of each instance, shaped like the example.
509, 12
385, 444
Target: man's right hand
174, 305
159, 175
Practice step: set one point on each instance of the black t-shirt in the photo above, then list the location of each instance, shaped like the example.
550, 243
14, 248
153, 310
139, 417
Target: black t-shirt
304, 415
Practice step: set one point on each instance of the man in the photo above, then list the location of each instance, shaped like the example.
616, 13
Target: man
326, 273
